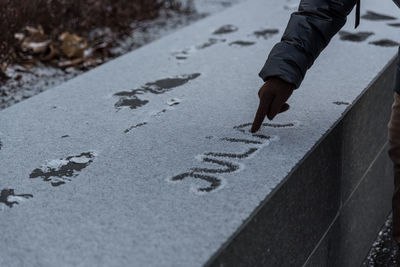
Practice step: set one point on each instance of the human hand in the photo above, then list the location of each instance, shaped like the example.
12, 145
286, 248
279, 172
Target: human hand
273, 96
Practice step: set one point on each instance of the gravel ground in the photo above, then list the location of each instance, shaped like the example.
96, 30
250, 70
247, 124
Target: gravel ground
384, 251
27, 82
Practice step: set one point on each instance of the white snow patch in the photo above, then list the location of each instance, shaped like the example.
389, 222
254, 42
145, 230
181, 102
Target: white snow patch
81, 160
16, 199
54, 164
174, 101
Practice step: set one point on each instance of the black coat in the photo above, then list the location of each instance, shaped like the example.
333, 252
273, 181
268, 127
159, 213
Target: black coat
308, 32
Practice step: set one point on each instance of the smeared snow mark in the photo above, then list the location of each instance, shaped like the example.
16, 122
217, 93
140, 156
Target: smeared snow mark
181, 57
65, 136
265, 33
132, 102
241, 43
341, 103
370, 15
9, 198
267, 124
174, 101
385, 43
130, 99
394, 24
354, 37
58, 171
184, 54
155, 113
224, 159
210, 42
135, 126
1, 144
225, 29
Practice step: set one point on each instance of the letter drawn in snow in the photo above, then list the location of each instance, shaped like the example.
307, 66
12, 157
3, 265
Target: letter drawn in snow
224, 160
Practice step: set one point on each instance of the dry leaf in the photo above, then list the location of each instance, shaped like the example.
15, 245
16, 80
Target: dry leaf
3, 75
69, 63
37, 41
19, 36
52, 52
92, 62
33, 30
73, 46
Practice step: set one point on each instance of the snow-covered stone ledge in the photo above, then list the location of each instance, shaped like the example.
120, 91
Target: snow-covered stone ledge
147, 160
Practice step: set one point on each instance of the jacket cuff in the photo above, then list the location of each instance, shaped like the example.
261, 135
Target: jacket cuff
266, 74
284, 61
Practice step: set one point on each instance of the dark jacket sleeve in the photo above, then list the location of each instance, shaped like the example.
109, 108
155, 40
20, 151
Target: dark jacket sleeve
308, 32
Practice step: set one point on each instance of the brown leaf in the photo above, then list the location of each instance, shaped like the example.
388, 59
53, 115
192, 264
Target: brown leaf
19, 36
3, 75
73, 46
34, 31
69, 63
92, 62
35, 47
51, 53
36, 41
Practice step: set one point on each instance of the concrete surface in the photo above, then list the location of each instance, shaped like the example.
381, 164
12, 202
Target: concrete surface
147, 183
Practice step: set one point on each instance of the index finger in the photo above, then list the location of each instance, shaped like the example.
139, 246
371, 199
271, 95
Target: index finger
261, 113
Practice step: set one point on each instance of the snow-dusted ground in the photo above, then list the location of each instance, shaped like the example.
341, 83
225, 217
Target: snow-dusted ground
25, 82
213, 6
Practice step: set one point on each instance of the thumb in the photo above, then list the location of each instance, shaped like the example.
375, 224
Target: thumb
284, 108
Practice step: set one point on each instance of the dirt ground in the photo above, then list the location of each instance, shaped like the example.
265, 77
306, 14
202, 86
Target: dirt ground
79, 17
46, 42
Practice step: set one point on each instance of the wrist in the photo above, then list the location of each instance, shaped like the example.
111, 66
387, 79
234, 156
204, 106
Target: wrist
281, 82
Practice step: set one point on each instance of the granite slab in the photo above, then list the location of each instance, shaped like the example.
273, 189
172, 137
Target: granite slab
147, 160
